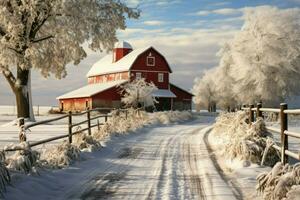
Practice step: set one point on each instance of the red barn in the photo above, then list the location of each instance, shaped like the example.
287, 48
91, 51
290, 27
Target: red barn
106, 75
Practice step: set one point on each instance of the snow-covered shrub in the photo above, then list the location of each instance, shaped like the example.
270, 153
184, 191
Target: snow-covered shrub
168, 117
60, 155
119, 124
244, 141
22, 160
294, 193
282, 182
4, 173
85, 142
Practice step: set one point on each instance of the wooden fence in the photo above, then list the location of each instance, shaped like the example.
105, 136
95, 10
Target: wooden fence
283, 112
24, 127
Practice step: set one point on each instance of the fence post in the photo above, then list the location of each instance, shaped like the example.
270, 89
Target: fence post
105, 118
21, 123
70, 127
258, 112
89, 121
251, 113
284, 137
98, 124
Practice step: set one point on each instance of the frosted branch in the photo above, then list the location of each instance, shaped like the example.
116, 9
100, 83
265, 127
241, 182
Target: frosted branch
42, 38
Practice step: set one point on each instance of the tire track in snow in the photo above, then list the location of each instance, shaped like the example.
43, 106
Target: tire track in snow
236, 191
191, 162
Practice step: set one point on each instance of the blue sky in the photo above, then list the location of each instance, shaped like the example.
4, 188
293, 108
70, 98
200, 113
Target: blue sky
188, 32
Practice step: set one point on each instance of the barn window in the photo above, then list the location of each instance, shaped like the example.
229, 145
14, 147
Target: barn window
138, 75
160, 77
150, 60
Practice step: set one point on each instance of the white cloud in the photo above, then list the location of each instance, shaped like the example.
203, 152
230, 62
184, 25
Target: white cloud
203, 12
135, 3
153, 23
222, 11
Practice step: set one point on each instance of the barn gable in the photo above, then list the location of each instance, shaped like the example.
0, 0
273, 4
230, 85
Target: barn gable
128, 62
151, 54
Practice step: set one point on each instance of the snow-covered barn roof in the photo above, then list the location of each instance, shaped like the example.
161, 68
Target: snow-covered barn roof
91, 89
163, 93
106, 66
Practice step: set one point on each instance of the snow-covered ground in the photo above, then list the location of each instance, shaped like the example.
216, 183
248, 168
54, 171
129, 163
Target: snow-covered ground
178, 161
162, 162
9, 133
240, 174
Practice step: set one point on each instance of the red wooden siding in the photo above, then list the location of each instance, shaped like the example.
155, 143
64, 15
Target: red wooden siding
108, 77
75, 103
120, 53
180, 93
150, 73
110, 98
160, 62
153, 77
183, 100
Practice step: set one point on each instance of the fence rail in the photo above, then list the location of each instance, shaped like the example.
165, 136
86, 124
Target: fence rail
70, 125
283, 112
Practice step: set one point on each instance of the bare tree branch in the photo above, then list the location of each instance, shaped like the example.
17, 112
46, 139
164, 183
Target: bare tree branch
8, 76
42, 38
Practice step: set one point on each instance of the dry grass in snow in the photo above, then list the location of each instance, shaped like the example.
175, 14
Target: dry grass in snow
282, 182
118, 124
244, 141
60, 155
86, 142
22, 160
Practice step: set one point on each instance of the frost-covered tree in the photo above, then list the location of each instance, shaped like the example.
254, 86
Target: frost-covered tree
138, 93
204, 91
261, 63
264, 57
225, 96
46, 35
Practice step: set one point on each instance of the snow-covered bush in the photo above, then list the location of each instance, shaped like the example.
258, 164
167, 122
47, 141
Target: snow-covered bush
85, 142
170, 117
60, 155
244, 141
282, 182
119, 124
22, 160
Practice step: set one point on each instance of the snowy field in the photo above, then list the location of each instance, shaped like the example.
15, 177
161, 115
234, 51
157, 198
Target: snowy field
9, 133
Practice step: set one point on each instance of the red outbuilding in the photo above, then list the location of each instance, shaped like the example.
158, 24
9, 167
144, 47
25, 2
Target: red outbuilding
126, 63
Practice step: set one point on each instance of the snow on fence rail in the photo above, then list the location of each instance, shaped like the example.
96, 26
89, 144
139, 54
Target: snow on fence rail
283, 111
70, 115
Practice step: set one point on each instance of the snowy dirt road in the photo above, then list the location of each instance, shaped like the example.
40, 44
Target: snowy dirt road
169, 162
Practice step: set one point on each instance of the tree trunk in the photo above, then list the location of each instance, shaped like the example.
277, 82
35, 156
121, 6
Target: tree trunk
22, 102
23, 94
